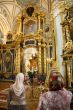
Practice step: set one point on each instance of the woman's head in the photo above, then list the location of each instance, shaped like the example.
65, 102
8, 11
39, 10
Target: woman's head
18, 86
20, 78
55, 81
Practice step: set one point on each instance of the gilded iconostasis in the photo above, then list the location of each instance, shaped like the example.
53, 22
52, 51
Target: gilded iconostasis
36, 35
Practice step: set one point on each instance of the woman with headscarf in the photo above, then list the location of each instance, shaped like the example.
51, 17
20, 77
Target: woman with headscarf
57, 97
16, 96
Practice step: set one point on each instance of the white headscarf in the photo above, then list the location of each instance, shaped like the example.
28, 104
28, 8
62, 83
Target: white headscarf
18, 86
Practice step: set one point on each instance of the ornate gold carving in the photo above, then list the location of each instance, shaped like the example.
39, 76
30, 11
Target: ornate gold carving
68, 47
39, 59
45, 66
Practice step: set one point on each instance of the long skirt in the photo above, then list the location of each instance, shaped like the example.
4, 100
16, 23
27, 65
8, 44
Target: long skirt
17, 107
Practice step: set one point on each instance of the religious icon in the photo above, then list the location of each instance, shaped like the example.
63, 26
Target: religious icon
8, 62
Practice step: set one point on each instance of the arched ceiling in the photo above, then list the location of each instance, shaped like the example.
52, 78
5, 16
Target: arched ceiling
43, 3
9, 9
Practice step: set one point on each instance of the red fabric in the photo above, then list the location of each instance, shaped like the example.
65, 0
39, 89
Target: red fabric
54, 77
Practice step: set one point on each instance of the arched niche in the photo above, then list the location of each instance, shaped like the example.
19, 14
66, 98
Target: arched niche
30, 58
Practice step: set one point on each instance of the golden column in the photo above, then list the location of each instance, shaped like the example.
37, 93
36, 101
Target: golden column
39, 50
45, 60
18, 59
43, 24
38, 22
65, 74
39, 58
69, 74
18, 25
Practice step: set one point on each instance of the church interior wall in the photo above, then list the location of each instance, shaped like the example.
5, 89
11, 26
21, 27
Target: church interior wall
48, 27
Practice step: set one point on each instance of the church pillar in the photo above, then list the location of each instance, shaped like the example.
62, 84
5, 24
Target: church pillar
18, 59
43, 24
20, 26
16, 62
65, 74
69, 74
58, 11
38, 22
39, 58
45, 67
59, 40
22, 23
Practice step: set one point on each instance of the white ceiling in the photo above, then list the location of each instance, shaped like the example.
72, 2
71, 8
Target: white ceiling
9, 9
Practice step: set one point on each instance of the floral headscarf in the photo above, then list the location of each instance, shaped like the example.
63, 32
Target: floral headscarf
55, 81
